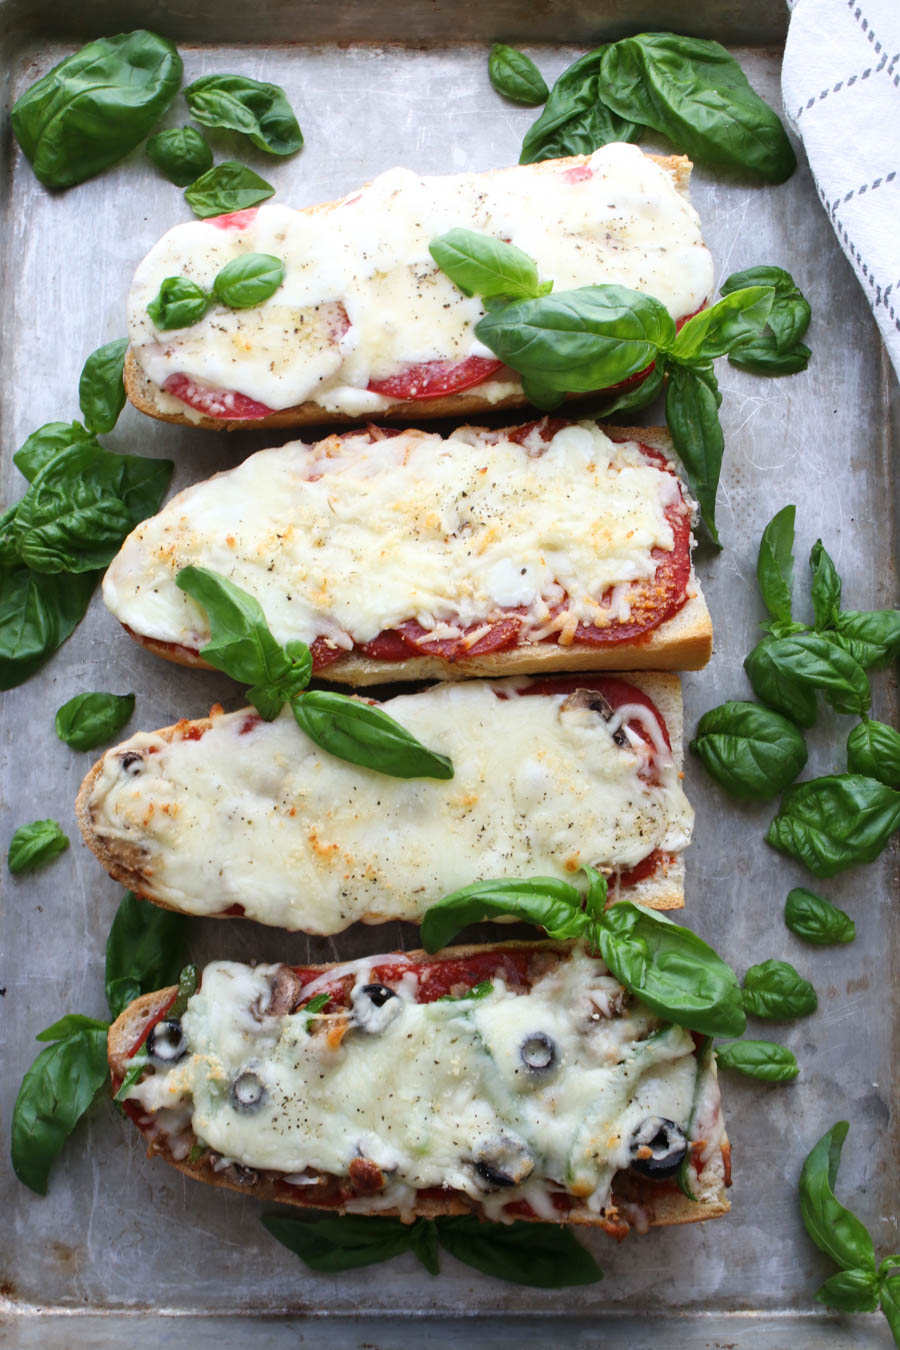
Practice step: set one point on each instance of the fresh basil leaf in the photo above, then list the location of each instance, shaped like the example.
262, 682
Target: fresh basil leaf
835, 1230
540, 394
775, 990
552, 905
637, 396
515, 76
37, 614
237, 103
478, 991
576, 120
834, 822
871, 635
35, 845
692, 416
47, 442
181, 154
720, 327
850, 1291
692, 91
179, 303
790, 315
101, 392
87, 720
228, 187
355, 731
775, 564
96, 105
761, 356
9, 553
188, 980
69, 1025
423, 1243
816, 919
55, 1093
873, 749
249, 280
671, 969
814, 662
315, 1004
241, 644
779, 688
133, 1075
481, 265
826, 588
890, 1304
759, 1059
753, 752
83, 503
331, 1245
143, 951
544, 1256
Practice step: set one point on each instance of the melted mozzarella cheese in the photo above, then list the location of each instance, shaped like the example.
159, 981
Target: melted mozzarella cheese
624, 223
265, 819
352, 536
442, 1088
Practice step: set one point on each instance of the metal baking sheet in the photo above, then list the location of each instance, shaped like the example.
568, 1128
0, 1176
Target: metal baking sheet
120, 1240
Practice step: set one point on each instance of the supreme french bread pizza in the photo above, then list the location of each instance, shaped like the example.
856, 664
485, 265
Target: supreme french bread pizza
234, 815
519, 1081
365, 324
401, 556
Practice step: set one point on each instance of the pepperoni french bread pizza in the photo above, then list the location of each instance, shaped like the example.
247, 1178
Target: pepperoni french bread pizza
404, 556
365, 325
232, 815
518, 1081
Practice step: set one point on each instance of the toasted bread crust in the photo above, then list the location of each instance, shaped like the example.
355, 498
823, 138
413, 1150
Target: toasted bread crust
663, 1207
145, 395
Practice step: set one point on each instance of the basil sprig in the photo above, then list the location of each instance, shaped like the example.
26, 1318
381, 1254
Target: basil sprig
835, 822
873, 749
243, 283
515, 75
674, 972
859, 1286
752, 751
238, 103
243, 647
142, 954
35, 845
687, 89
779, 350
765, 1060
228, 187
543, 1256
101, 391
87, 720
817, 920
776, 991
181, 154
481, 265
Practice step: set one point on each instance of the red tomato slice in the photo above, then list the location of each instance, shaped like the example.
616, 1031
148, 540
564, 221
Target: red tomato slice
324, 655
224, 404
233, 220
432, 379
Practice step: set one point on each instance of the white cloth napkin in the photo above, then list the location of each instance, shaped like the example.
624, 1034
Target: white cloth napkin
841, 86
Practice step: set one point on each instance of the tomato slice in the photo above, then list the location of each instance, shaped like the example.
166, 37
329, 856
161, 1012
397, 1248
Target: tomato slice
224, 404
233, 220
323, 654
432, 379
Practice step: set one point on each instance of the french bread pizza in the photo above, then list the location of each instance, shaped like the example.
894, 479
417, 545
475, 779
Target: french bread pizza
365, 324
518, 1081
405, 555
232, 815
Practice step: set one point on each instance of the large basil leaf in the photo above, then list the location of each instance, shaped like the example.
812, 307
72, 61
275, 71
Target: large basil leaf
692, 416
181, 154
871, 635
96, 105
775, 990
812, 661
228, 187
834, 822
780, 689
481, 265
330, 1245
68, 1025
248, 280
790, 314
630, 400
692, 91
671, 969
775, 564
547, 902
576, 120
826, 587
716, 329
237, 103
143, 951
890, 1304
55, 1093
83, 503
759, 1059
816, 919
101, 391
87, 720
355, 731
760, 356
753, 752
850, 1291
543, 1256
834, 1229
37, 614
515, 76
35, 845
179, 303
47, 442
873, 749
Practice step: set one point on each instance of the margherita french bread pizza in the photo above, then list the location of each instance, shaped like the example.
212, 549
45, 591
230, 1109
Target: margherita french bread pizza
365, 325
519, 1081
234, 815
403, 556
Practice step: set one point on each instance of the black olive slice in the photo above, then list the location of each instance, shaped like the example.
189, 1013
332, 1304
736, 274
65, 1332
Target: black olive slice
377, 994
374, 1007
504, 1161
248, 1091
538, 1052
166, 1042
131, 762
658, 1147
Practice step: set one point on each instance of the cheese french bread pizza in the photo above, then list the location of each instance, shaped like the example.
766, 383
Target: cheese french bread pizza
232, 815
365, 325
519, 1081
404, 555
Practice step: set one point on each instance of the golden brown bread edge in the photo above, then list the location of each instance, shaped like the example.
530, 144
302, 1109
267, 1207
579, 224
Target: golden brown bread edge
665, 1208
144, 394
124, 860
684, 642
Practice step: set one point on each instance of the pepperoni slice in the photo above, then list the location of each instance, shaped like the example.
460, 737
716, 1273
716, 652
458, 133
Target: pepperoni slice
618, 693
323, 654
224, 404
433, 379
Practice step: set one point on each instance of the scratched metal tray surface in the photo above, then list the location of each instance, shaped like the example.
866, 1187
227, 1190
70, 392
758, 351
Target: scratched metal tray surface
120, 1240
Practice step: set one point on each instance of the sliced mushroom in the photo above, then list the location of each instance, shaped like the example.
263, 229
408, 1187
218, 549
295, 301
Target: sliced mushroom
240, 1175
658, 1147
504, 1161
366, 1176
286, 992
595, 701
374, 1007
166, 1042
